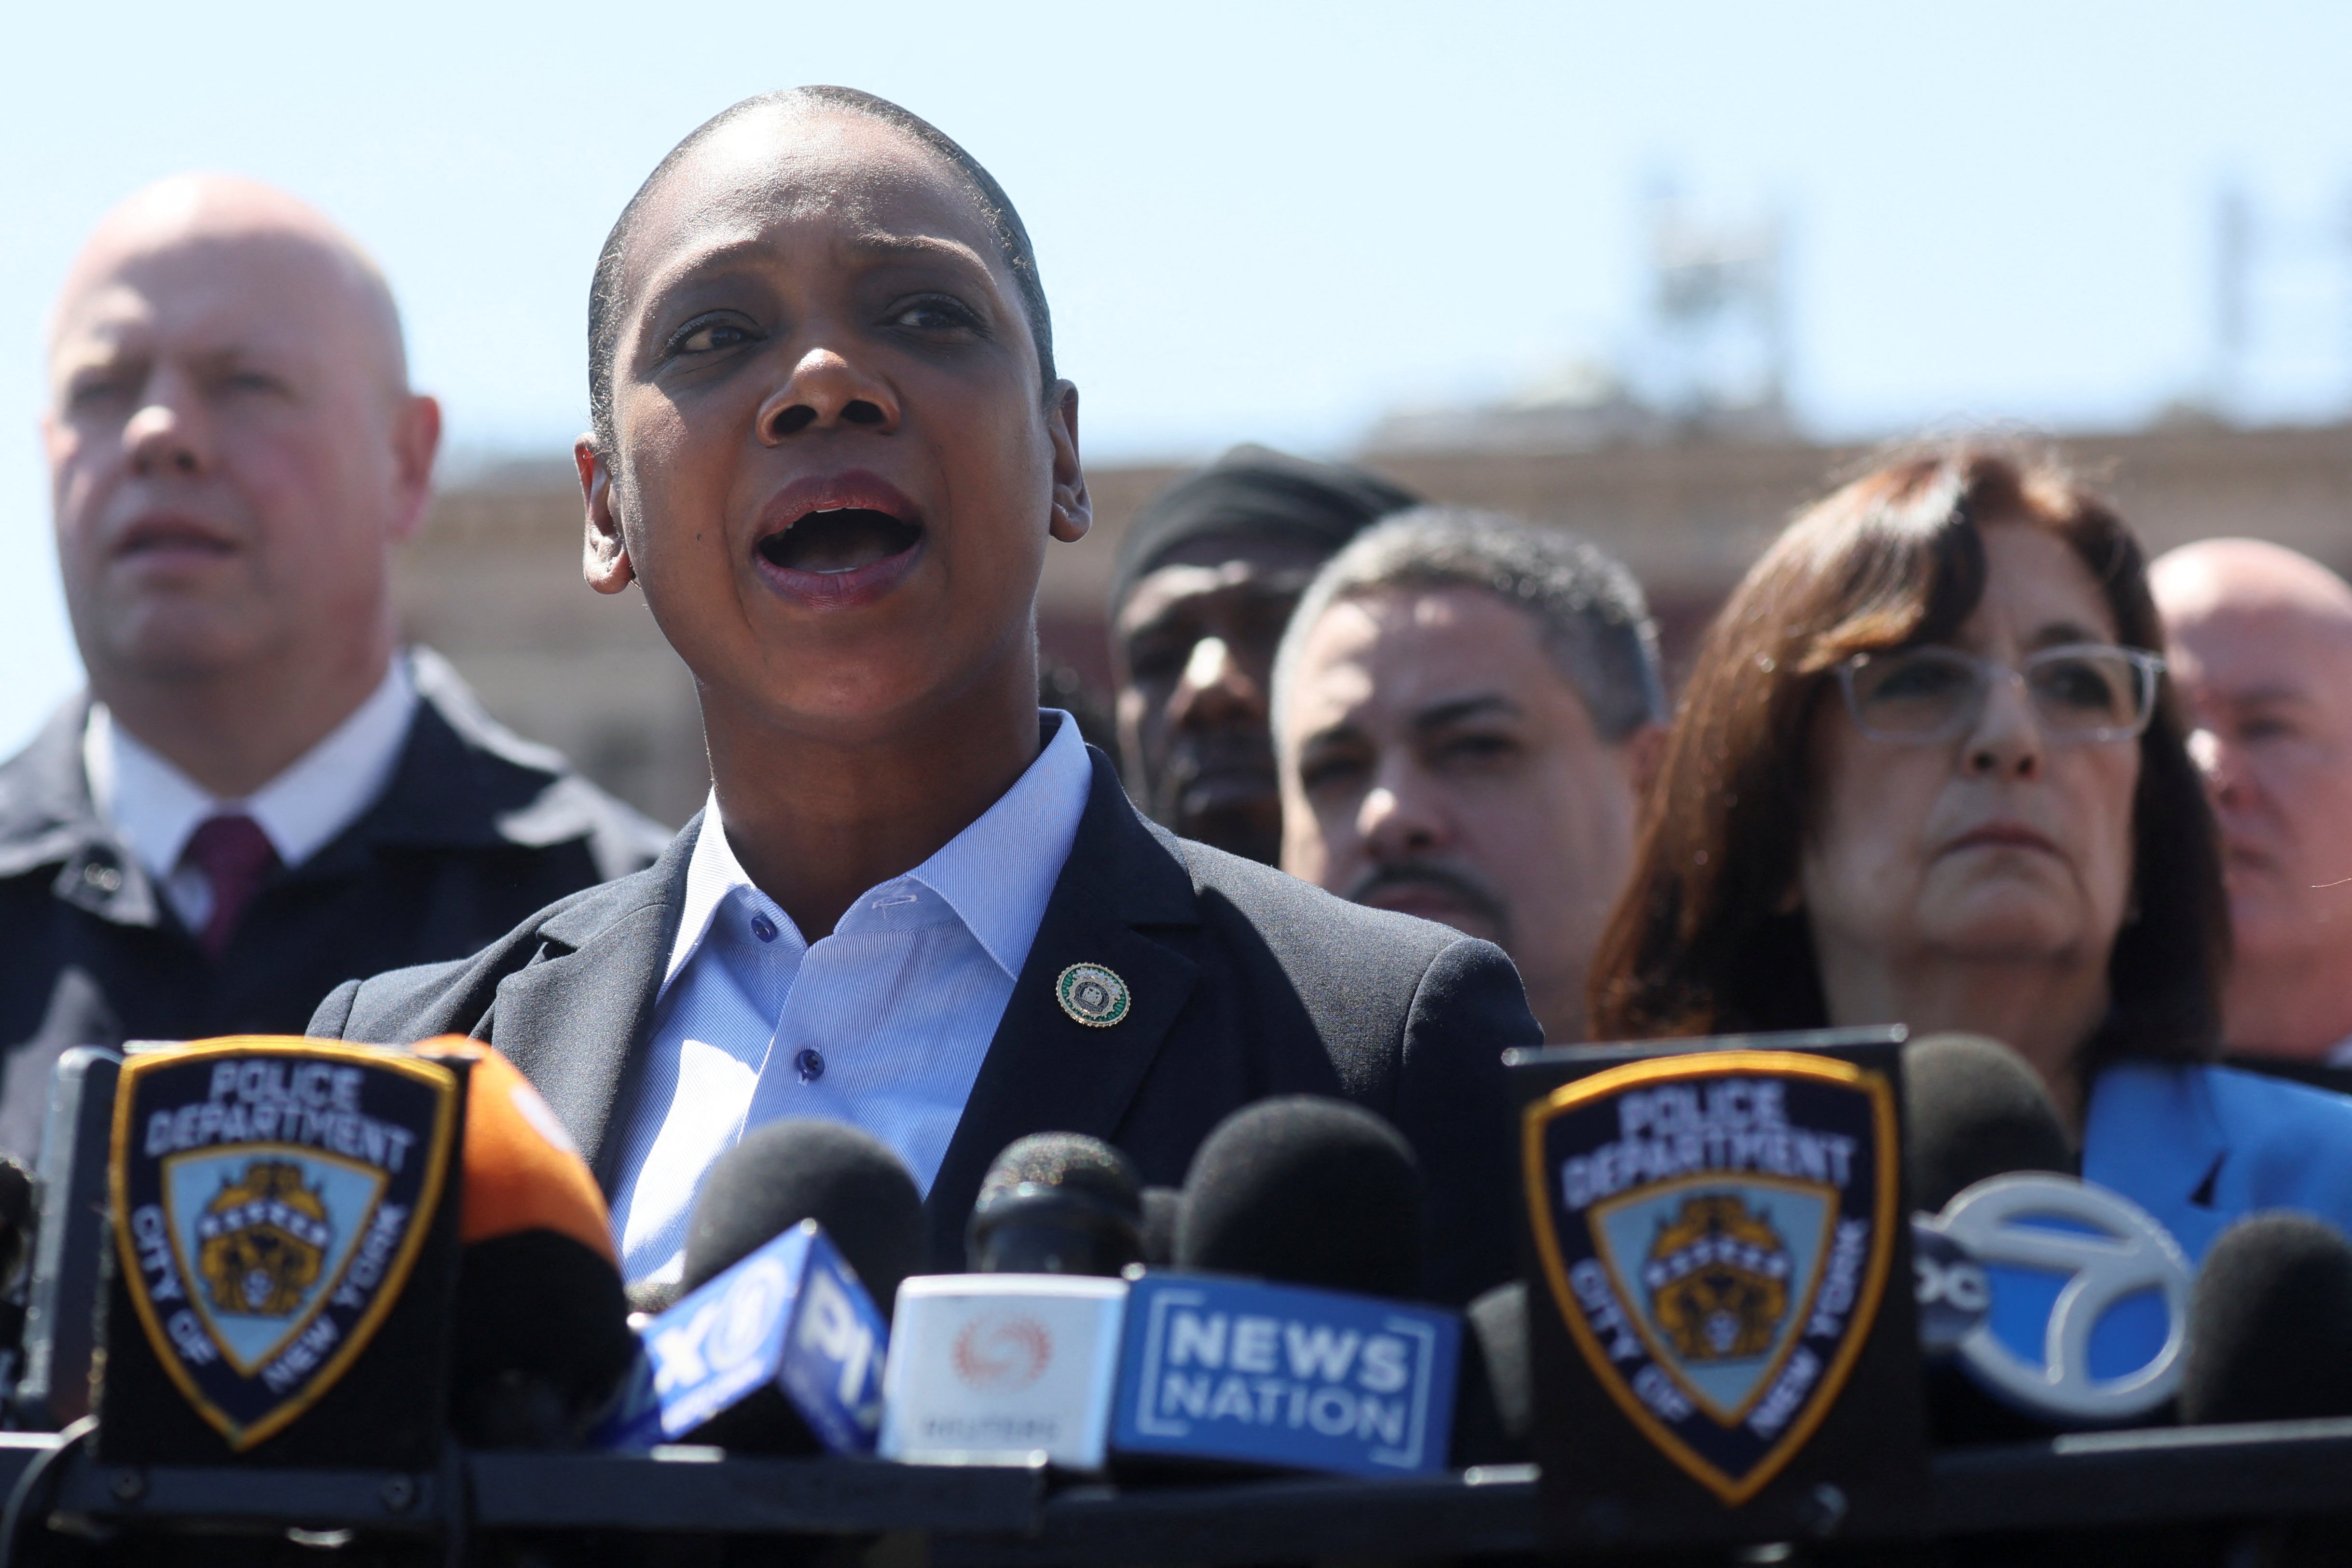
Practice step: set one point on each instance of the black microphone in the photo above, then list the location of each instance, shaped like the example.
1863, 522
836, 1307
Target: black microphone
61, 1347
1160, 1207
541, 1346
1017, 1354
778, 1176
1316, 1206
1993, 1172
803, 1168
1972, 1109
1306, 1190
19, 1213
2269, 1324
1495, 1402
1056, 1203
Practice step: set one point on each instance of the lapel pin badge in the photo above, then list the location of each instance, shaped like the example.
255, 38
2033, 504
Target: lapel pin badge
1092, 996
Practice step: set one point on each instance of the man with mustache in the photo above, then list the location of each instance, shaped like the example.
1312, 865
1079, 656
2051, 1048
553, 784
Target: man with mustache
1207, 576
2259, 644
260, 793
1466, 710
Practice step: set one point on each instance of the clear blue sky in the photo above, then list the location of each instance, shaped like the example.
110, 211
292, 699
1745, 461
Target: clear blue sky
1255, 220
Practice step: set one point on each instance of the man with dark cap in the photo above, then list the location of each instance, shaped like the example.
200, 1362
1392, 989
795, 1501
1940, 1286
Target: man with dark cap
1206, 580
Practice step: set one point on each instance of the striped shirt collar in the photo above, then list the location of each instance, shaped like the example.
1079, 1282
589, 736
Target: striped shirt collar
998, 874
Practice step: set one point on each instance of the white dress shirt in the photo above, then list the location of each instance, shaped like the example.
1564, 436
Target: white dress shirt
156, 809
883, 1024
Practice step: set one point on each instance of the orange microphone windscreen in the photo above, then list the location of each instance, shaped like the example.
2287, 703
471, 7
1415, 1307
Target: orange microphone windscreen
522, 1170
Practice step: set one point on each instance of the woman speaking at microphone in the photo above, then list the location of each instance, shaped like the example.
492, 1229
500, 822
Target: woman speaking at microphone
1929, 772
831, 450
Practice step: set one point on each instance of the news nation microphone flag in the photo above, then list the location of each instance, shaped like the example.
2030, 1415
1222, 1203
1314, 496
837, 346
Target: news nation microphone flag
275, 1195
1242, 1371
1716, 1230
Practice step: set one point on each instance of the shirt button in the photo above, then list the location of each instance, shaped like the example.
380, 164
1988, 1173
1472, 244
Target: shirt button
763, 928
809, 1064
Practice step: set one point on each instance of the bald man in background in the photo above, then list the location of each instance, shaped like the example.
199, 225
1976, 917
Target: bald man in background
260, 793
2261, 647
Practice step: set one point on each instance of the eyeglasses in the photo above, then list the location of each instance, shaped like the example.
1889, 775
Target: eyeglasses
2079, 691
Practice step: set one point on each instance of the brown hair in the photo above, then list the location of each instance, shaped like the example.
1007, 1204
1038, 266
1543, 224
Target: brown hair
1704, 941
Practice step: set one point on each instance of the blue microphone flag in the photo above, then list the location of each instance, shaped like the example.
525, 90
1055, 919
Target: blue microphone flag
1236, 1370
792, 1314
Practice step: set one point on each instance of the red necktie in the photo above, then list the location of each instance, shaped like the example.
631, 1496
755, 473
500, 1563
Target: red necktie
236, 856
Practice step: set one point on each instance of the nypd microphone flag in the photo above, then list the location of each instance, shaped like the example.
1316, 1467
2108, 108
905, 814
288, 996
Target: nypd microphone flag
1716, 1229
275, 1194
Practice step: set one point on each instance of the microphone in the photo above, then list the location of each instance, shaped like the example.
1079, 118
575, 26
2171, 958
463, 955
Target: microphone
336, 1255
1305, 1191
2269, 1324
1973, 1109
1160, 1207
19, 1215
61, 1335
1018, 1356
804, 1168
543, 1343
1494, 1411
797, 1244
1319, 1361
1056, 1203
2064, 1303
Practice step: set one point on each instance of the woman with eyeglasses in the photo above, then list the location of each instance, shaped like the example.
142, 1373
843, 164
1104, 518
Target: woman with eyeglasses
1928, 771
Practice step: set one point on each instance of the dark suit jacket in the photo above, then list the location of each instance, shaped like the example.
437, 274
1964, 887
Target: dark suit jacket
476, 830
1246, 983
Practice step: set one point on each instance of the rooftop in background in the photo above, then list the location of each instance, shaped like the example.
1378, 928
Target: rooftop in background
493, 580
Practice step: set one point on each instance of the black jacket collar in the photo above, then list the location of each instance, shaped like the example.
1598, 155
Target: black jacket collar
463, 781
1045, 1070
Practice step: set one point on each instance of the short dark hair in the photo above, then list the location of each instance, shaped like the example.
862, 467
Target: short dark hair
1702, 941
605, 292
1587, 606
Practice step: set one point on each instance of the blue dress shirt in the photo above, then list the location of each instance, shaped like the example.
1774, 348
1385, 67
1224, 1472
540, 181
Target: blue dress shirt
2200, 1146
884, 1024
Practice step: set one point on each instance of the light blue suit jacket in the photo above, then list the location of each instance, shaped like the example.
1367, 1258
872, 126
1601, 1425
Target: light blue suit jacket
2200, 1146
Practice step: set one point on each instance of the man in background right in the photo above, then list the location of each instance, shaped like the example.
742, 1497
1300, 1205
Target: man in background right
1467, 713
2260, 646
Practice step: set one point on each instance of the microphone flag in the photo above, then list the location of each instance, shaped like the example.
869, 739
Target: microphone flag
1716, 1229
2084, 1316
791, 1316
273, 1197
991, 1368
1240, 1371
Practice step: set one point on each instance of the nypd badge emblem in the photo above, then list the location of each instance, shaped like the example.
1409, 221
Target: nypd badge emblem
277, 1193
1092, 996
1716, 1230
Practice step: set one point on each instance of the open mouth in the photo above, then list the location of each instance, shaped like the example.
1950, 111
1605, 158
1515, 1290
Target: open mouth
839, 540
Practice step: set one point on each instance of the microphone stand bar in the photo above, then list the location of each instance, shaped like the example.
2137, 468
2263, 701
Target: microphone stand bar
1006, 1516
